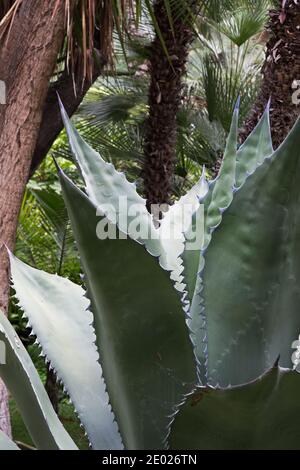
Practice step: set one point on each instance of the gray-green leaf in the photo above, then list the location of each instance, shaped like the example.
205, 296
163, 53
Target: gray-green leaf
58, 315
23, 381
252, 272
146, 353
263, 415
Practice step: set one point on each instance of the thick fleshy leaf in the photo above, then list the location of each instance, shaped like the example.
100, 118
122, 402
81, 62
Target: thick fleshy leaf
6, 443
222, 190
191, 256
181, 212
216, 201
108, 189
23, 381
262, 415
176, 223
58, 315
145, 350
252, 272
118, 199
249, 156
255, 149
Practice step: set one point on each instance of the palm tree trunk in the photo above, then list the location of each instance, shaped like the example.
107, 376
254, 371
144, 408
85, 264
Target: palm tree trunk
280, 71
27, 61
165, 96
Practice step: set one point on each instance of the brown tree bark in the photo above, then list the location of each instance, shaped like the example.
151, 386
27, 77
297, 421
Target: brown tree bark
281, 68
27, 61
71, 91
165, 95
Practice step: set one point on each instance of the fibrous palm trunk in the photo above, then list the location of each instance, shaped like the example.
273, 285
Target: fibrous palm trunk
281, 71
165, 94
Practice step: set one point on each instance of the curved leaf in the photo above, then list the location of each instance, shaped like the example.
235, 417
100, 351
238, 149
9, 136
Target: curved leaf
216, 201
23, 381
145, 350
253, 264
58, 315
118, 199
107, 188
175, 224
222, 190
255, 149
261, 415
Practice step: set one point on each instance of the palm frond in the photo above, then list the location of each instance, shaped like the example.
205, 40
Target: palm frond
225, 72
114, 104
246, 20
44, 236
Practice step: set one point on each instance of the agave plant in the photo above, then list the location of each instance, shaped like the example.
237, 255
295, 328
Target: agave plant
186, 346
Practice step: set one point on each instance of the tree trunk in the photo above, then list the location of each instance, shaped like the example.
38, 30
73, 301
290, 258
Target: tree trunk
27, 61
280, 71
71, 91
165, 95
